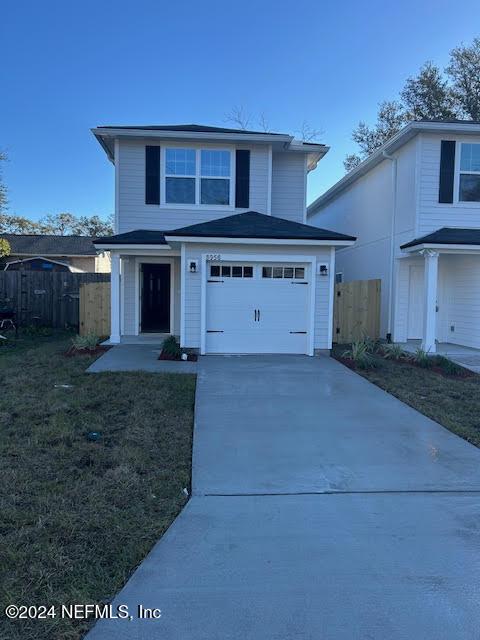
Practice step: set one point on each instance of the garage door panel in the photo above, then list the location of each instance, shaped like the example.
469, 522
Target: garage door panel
259, 314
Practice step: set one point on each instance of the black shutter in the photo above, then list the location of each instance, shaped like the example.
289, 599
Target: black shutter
152, 175
447, 171
242, 179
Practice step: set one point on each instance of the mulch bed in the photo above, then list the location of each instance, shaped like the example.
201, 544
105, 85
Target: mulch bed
461, 373
191, 357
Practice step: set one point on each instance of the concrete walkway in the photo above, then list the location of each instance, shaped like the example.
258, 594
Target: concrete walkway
323, 509
138, 357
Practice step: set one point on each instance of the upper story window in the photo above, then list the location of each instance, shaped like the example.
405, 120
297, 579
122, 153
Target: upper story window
198, 177
469, 179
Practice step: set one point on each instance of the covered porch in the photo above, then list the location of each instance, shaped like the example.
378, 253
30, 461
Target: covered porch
145, 296
438, 292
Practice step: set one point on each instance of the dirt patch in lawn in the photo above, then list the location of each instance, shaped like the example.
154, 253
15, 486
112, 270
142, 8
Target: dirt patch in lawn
451, 400
80, 513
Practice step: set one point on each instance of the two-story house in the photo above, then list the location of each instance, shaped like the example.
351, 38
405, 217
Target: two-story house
414, 205
211, 243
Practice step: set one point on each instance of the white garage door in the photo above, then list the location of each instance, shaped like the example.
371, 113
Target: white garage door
257, 308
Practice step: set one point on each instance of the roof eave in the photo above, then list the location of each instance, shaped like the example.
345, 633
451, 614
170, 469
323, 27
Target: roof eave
438, 246
397, 141
258, 240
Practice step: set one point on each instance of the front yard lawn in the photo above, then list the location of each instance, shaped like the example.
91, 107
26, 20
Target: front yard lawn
452, 401
77, 516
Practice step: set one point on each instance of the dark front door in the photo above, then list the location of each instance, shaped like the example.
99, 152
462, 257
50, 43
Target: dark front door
156, 298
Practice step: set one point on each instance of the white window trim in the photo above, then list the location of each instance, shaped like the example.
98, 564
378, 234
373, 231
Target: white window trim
198, 176
456, 181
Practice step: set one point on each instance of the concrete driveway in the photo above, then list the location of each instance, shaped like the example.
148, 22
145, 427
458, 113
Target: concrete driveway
323, 508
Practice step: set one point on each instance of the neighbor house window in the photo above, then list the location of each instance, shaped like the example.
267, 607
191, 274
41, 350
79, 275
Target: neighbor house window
469, 180
198, 176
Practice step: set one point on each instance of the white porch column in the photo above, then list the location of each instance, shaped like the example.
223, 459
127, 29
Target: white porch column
430, 305
115, 299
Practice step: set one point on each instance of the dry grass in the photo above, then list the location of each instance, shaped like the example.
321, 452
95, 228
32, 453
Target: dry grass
452, 401
79, 516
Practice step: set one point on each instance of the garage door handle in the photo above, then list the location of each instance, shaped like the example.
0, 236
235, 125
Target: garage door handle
255, 315
299, 283
258, 315
214, 331
303, 332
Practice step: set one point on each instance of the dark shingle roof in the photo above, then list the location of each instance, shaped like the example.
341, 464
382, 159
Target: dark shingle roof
257, 225
139, 236
241, 225
192, 128
447, 235
48, 245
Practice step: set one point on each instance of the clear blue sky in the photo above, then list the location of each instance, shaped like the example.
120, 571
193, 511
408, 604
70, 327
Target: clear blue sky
68, 66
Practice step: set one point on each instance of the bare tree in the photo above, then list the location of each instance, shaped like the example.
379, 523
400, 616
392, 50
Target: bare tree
239, 116
307, 133
263, 123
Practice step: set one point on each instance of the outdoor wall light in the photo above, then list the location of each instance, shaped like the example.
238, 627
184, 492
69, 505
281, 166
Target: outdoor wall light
192, 266
323, 269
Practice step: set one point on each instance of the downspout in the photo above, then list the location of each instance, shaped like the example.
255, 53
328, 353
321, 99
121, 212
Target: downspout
393, 160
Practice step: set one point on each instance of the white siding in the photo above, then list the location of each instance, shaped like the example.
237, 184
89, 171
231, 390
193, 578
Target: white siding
365, 210
461, 301
135, 214
433, 215
458, 298
193, 286
288, 186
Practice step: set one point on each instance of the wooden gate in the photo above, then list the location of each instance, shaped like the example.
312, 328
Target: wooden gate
95, 308
356, 310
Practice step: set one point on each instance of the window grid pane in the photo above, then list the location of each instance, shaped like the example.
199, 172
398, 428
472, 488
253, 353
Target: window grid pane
180, 162
215, 270
470, 157
215, 163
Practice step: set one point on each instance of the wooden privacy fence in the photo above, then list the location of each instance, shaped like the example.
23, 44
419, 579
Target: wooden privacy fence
45, 298
95, 308
356, 310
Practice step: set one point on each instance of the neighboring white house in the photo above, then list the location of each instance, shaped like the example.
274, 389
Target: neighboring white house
414, 206
211, 243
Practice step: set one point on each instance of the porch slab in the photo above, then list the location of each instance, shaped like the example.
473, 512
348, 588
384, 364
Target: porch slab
139, 357
467, 357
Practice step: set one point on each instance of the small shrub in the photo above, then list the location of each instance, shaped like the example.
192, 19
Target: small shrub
422, 358
171, 348
393, 352
448, 367
88, 342
372, 344
359, 354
